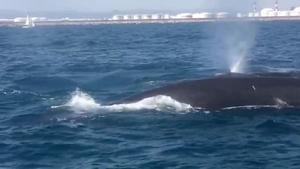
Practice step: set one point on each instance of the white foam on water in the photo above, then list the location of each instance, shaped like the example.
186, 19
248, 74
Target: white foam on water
250, 107
158, 103
81, 102
253, 107
14, 92
281, 70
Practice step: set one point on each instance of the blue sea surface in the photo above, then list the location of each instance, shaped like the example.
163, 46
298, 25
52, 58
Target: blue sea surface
56, 85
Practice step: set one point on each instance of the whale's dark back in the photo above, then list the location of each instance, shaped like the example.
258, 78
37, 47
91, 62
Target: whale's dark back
233, 90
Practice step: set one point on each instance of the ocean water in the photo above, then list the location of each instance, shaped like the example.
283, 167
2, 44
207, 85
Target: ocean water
58, 86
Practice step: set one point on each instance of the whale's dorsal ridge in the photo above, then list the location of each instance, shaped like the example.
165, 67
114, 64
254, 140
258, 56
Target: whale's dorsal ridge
260, 75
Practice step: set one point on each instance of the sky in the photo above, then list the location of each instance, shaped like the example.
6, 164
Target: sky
127, 5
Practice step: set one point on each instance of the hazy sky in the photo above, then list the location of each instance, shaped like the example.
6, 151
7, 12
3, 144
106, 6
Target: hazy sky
111, 5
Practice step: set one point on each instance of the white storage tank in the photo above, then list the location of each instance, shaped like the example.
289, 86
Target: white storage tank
137, 17
207, 15
184, 16
117, 17
167, 16
297, 9
222, 15
267, 12
283, 13
19, 19
251, 15
146, 17
295, 12
196, 15
39, 18
127, 17
156, 16
204, 15
273, 13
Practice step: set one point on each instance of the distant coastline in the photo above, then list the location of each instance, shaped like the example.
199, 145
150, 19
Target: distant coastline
156, 21
265, 14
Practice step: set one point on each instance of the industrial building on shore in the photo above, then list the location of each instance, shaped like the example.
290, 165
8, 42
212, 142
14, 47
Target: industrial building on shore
265, 12
203, 15
256, 14
274, 12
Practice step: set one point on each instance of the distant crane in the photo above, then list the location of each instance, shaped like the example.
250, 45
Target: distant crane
254, 6
276, 6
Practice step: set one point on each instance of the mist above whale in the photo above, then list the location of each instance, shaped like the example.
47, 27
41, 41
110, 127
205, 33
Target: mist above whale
233, 90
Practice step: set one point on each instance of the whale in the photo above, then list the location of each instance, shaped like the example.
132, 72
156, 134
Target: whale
232, 90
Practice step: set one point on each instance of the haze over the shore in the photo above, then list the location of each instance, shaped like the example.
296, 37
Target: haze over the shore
92, 8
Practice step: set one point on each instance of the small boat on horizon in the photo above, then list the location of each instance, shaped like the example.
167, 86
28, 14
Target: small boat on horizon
29, 23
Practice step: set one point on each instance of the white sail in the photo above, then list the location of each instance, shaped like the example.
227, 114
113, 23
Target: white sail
32, 24
29, 23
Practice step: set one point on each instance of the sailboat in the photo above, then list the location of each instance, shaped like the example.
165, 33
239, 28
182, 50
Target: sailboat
29, 23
